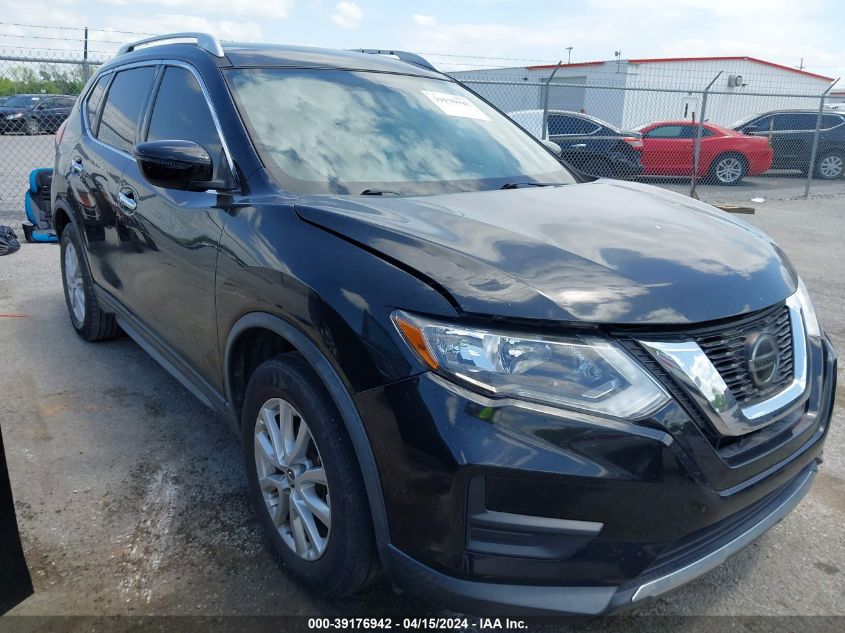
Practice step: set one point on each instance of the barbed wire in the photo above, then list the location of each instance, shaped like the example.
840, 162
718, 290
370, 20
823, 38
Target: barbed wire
73, 28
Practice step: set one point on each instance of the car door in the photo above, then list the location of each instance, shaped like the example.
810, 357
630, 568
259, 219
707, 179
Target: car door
170, 237
43, 113
572, 133
792, 138
667, 150
93, 167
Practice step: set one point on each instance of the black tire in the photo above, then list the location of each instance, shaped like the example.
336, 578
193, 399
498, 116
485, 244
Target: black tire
715, 175
598, 167
96, 325
349, 563
830, 165
33, 127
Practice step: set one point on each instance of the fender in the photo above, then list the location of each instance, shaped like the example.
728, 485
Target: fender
342, 399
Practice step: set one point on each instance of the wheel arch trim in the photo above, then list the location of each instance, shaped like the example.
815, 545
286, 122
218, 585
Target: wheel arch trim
340, 395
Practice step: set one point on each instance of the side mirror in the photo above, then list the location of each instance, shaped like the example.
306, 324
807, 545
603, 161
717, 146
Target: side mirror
749, 129
183, 165
552, 147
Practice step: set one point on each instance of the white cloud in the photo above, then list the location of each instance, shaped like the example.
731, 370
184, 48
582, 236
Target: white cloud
348, 16
245, 31
267, 9
425, 20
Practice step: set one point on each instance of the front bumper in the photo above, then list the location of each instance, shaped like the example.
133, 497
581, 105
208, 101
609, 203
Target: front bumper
500, 506
519, 599
13, 125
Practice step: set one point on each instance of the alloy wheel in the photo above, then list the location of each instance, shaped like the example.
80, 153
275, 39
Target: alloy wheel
831, 166
728, 170
292, 479
74, 285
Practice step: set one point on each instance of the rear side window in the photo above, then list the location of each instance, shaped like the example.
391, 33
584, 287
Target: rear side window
795, 121
181, 113
666, 131
93, 101
124, 103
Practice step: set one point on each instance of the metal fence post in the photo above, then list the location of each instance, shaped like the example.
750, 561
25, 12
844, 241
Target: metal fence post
546, 102
696, 145
811, 167
85, 76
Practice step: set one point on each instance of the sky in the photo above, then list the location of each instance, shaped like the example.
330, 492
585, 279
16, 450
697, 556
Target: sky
460, 34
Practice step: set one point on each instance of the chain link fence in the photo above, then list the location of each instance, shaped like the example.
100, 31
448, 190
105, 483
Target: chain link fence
692, 125
37, 94
745, 123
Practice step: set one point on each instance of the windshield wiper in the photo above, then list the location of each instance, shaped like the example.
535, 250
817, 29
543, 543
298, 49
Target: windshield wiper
379, 192
517, 185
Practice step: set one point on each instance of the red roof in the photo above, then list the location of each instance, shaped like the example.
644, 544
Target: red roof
564, 65
696, 59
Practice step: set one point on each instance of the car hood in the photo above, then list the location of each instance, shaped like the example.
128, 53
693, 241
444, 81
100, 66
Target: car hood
601, 252
4, 110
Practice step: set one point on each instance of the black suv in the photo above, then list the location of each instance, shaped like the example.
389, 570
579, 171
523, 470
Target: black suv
791, 134
445, 354
34, 114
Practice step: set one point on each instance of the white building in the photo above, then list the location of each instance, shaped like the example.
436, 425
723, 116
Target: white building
630, 92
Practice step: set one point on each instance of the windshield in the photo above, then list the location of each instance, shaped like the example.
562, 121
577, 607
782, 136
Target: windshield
21, 101
347, 132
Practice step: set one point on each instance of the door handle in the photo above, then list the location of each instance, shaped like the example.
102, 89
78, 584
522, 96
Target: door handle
578, 146
76, 165
126, 198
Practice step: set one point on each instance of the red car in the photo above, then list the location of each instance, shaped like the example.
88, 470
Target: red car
726, 156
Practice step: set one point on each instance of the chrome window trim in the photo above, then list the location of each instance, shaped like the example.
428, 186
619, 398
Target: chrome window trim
151, 104
686, 362
114, 71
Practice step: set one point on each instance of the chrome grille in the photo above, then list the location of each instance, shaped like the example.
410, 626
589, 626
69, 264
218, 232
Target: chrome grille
726, 350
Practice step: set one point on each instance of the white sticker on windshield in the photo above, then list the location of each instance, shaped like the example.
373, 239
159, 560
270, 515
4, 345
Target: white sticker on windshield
455, 105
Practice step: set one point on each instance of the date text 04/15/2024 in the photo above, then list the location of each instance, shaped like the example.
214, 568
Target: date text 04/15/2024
416, 624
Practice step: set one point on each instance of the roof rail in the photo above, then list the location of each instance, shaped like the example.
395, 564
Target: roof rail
410, 58
203, 40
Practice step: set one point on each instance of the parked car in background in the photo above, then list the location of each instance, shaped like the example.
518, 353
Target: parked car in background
35, 114
594, 146
726, 156
791, 134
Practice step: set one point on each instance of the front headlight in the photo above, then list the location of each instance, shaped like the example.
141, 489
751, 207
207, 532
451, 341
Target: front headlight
585, 373
811, 321
16, 115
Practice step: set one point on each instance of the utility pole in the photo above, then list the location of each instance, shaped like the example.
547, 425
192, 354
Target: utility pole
569, 54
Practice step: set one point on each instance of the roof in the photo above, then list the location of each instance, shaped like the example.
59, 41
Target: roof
663, 60
274, 55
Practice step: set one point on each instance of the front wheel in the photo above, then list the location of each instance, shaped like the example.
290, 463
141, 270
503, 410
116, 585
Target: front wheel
86, 316
33, 127
304, 478
830, 166
728, 170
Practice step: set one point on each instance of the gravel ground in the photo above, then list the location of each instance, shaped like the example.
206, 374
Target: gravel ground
131, 495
